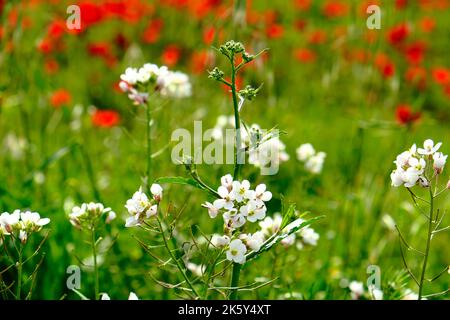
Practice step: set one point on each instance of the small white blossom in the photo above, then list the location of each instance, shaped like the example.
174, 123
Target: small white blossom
305, 151
357, 289
429, 147
130, 76
237, 251
220, 241
439, 162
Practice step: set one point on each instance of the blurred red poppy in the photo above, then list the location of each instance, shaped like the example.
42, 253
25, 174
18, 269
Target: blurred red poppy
305, 55
398, 34
415, 52
406, 116
303, 5
105, 118
427, 24
60, 98
441, 75
335, 9
171, 55
274, 31
153, 31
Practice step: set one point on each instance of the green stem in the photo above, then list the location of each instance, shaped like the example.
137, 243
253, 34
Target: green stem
19, 275
149, 146
235, 281
427, 250
94, 252
238, 154
180, 268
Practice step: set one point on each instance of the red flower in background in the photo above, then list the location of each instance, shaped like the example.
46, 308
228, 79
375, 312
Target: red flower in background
91, 13
171, 55
274, 31
384, 65
398, 34
416, 76
153, 31
200, 61
60, 98
305, 55
303, 5
56, 29
415, 52
105, 118
441, 75
317, 37
335, 9
406, 116
401, 4
427, 24
208, 35
51, 66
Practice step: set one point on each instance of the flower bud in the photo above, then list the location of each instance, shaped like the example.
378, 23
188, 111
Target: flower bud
423, 182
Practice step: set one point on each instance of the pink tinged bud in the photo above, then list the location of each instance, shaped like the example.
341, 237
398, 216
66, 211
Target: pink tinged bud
448, 184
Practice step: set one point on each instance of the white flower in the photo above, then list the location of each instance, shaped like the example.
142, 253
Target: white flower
237, 251
233, 219
213, 210
410, 178
397, 177
175, 85
156, 191
305, 151
140, 207
271, 225
309, 236
23, 236
241, 190
105, 296
357, 289
228, 197
416, 165
289, 240
10, 221
227, 181
402, 159
376, 293
110, 217
252, 212
253, 241
439, 161
130, 76
429, 147
315, 163
33, 219
261, 195
133, 296
220, 241
89, 214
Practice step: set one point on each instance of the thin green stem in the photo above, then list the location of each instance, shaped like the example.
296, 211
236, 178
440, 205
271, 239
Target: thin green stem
235, 281
180, 268
19, 275
238, 154
427, 250
94, 253
149, 145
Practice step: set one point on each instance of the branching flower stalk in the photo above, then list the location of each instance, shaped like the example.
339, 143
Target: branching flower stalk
421, 167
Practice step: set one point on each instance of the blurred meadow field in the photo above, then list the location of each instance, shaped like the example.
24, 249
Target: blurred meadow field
69, 135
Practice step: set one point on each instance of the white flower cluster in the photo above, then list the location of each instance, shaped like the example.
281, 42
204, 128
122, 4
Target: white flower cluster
135, 82
88, 215
21, 223
313, 160
412, 165
140, 207
305, 236
239, 204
